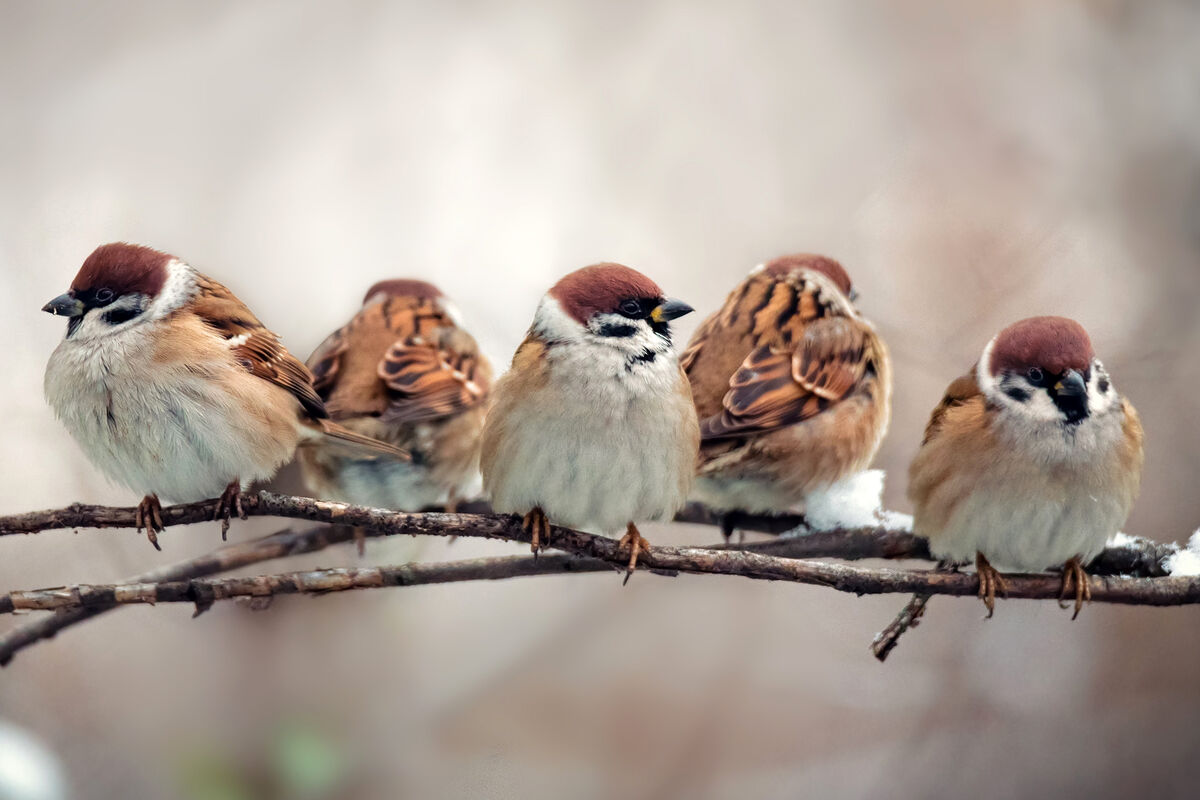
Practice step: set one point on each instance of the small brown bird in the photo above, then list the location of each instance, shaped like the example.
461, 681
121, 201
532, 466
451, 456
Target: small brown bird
792, 386
593, 426
173, 387
404, 372
1032, 460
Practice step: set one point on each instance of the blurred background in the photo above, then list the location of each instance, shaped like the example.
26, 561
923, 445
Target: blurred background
970, 164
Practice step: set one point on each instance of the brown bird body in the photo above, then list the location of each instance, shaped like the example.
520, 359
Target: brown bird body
792, 386
172, 386
404, 372
1030, 461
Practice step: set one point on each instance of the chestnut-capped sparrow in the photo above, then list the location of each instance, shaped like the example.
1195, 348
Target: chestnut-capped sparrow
593, 426
402, 371
1032, 460
792, 386
173, 388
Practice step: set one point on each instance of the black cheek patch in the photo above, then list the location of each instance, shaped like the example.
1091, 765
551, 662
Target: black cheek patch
1017, 393
1103, 385
119, 315
616, 329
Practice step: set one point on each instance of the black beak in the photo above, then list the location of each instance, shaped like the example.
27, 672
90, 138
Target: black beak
670, 309
1071, 385
65, 306
1070, 395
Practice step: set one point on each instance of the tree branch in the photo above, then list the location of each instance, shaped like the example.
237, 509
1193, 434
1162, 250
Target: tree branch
1142, 557
604, 555
776, 560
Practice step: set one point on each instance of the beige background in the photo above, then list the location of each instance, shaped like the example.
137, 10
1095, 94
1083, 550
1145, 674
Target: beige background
970, 164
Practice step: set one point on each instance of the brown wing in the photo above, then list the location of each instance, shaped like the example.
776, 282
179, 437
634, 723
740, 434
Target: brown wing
431, 380
959, 392
326, 361
778, 386
256, 348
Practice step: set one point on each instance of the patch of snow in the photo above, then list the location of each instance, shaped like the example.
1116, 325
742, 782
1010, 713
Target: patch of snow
1186, 561
1120, 539
854, 502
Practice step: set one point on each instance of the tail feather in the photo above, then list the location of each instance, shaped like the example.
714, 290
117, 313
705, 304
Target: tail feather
354, 444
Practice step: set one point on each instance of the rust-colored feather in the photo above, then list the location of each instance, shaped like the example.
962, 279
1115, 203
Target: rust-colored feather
253, 345
804, 356
403, 360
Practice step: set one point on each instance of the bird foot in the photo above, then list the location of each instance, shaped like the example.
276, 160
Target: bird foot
538, 528
636, 544
149, 518
1074, 574
229, 503
990, 581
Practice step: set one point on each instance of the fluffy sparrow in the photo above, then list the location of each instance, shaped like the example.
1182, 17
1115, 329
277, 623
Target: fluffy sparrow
1032, 460
402, 371
173, 388
593, 426
792, 386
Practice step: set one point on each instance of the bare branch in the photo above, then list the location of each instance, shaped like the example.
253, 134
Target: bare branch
1142, 558
603, 555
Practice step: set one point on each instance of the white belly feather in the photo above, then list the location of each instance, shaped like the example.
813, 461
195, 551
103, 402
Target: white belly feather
166, 429
597, 452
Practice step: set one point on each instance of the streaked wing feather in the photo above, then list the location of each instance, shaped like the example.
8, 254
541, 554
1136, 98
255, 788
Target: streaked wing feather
429, 382
776, 387
254, 346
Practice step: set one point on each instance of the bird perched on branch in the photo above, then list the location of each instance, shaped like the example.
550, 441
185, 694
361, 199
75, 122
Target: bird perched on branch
593, 426
404, 372
1031, 461
173, 387
792, 386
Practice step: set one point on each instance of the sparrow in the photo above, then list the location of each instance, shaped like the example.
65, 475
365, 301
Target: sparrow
173, 388
402, 371
792, 387
1031, 461
593, 426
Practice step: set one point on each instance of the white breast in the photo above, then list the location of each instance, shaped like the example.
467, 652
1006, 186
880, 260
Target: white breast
1041, 503
597, 446
175, 430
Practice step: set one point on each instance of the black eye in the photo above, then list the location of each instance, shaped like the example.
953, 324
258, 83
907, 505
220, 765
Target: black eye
104, 295
119, 315
1035, 375
631, 308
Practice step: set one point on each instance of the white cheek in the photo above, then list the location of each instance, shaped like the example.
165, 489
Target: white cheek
178, 289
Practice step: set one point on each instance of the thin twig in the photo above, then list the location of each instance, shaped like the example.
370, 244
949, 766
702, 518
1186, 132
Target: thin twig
601, 554
1142, 558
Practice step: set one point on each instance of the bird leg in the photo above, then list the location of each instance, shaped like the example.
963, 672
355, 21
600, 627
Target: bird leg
149, 518
228, 503
636, 544
729, 524
1074, 573
538, 528
990, 581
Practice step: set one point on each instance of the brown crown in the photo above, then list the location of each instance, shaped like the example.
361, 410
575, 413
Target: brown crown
123, 268
1054, 344
403, 287
601, 288
831, 269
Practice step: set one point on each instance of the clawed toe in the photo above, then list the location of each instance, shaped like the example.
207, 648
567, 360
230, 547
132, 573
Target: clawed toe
990, 582
637, 544
537, 526
149, 518
1075, 575
228, 504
